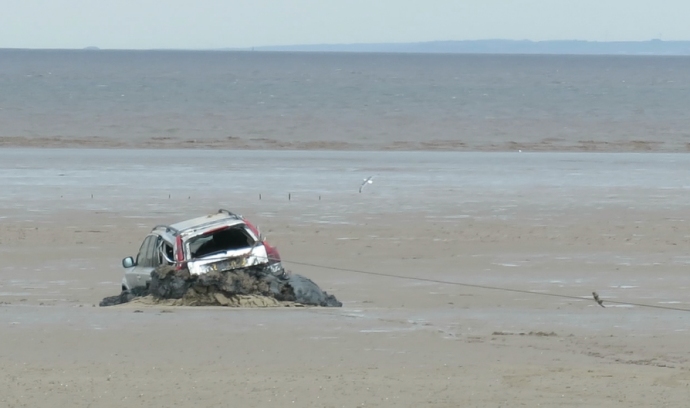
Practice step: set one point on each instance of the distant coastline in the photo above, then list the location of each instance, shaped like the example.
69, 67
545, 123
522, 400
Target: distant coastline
566, 47
495, 47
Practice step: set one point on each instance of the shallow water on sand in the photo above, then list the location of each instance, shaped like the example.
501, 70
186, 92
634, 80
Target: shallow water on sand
324, 184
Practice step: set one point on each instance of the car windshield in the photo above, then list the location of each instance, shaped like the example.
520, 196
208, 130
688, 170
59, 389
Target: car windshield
219, 241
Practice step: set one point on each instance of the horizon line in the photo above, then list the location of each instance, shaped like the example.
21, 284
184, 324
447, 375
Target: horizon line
306, 46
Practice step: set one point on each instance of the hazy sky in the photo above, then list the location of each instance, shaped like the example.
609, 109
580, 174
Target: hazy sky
245, 23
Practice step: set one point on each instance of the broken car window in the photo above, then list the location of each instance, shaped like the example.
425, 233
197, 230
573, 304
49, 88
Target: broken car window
225, 240
165, 252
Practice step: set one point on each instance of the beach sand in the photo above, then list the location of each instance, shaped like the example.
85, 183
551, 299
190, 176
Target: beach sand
395, 342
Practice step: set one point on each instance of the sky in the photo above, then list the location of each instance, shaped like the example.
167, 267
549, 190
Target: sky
204, 24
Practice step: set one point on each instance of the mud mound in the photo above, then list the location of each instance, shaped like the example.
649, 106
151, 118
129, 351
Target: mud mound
192, 298
303, 290
248, 287
123, 297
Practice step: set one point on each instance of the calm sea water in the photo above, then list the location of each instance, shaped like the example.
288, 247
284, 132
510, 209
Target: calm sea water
362, 98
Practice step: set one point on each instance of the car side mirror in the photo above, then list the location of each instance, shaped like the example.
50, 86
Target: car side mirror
128, 262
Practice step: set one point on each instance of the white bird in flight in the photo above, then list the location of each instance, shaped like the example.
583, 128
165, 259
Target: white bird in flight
367, 180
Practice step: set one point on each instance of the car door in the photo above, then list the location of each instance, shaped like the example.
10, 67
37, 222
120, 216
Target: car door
146, 262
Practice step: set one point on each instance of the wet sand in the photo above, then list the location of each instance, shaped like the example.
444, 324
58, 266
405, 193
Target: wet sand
549, 224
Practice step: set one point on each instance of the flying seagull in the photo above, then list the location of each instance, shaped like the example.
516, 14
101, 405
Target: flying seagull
367, 180
596, 298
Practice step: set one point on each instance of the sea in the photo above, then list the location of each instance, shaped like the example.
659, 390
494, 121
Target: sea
344, 100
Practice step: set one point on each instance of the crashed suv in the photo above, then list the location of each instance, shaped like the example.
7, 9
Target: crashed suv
214, 243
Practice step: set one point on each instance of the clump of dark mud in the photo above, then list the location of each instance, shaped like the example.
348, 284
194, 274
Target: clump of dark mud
124, 297
248, 287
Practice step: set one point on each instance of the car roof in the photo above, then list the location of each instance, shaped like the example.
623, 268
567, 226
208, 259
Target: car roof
222, 219
207, 220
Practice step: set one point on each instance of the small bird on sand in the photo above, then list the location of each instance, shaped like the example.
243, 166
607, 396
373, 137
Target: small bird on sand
367, 180
596, 298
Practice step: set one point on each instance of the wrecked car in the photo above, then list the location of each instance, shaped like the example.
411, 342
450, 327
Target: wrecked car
217, 260
219, 242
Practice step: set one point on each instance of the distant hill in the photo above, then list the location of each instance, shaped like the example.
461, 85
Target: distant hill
653, 47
